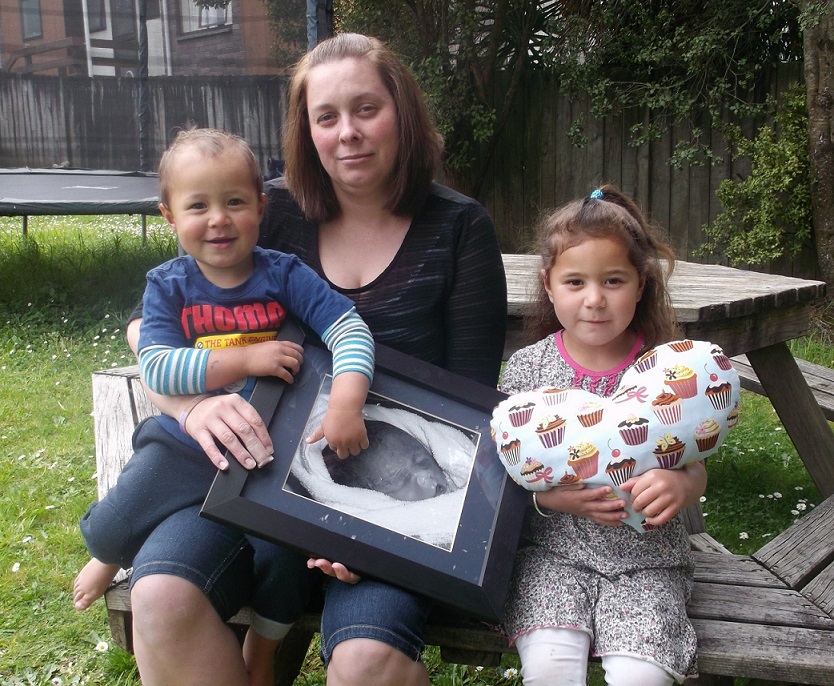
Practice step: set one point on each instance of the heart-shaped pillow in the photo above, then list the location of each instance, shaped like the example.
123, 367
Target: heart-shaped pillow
675, 405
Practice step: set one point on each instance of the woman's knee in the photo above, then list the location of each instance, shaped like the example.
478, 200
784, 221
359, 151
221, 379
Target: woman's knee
362, 654
360, 661
164, 606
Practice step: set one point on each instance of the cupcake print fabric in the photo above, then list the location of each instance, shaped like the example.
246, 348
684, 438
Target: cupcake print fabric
675, 405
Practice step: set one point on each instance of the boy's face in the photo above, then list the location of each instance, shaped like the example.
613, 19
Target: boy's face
215, 210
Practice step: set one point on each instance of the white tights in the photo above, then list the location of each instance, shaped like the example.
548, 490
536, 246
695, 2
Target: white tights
559, 657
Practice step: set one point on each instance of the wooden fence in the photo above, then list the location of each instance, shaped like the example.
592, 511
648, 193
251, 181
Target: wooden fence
536, 168
92, 123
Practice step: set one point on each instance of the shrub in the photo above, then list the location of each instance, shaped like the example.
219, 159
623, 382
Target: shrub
768, 214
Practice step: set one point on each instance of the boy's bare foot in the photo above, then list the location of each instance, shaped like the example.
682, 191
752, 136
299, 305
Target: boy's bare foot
91, 583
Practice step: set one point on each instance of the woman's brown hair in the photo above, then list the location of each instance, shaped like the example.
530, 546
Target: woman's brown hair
420, 145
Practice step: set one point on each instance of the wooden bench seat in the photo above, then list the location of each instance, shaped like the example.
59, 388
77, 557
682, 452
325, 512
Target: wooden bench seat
750, 622
820, 380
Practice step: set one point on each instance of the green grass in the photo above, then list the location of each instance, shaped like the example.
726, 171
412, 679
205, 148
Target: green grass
758, 485
64, 296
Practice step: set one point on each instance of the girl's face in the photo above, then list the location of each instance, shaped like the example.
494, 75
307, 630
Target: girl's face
353, 124
595, 289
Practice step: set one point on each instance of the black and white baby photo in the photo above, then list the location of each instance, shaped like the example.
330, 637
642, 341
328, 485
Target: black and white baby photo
411, 479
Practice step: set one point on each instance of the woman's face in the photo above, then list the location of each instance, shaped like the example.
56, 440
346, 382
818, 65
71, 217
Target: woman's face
353, 124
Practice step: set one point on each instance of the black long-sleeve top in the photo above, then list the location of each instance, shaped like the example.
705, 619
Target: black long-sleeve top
443, 298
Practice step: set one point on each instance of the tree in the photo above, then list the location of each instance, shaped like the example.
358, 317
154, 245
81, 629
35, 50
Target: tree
818, 25
288, 21
456, 49
767, 214
787, 200
684, 61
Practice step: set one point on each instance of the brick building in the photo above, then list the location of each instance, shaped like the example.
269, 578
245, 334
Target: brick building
103, 38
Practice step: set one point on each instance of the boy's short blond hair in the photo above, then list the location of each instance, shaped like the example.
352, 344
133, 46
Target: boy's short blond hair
211, 143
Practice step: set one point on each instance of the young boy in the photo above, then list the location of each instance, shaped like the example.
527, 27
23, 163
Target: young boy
210, 320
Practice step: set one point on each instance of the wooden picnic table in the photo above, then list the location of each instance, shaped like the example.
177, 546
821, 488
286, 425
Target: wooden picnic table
745, 313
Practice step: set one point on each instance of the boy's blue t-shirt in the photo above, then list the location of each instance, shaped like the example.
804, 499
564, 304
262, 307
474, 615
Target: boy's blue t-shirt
183, 309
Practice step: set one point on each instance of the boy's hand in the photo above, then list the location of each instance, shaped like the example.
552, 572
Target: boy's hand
281, 359
342, 424
591, 503
344, 430
661, 493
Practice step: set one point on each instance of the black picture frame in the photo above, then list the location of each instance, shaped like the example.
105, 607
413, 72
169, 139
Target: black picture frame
471, 572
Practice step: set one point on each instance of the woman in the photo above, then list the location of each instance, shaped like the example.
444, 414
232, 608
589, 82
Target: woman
423, 266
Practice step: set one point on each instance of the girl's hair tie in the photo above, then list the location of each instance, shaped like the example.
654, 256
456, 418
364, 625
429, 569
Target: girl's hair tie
596, 194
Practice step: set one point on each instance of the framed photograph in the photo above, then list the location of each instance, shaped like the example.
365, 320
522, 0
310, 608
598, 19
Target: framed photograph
428, 506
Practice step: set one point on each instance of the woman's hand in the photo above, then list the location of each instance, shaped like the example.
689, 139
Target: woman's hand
335, 569
227, 418
236, 424
661, 493
591, 503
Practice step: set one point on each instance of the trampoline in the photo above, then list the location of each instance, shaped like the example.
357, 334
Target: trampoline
25, 192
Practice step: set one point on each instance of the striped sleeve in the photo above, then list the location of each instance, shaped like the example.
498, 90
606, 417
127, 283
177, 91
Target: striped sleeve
352, 345
173, 371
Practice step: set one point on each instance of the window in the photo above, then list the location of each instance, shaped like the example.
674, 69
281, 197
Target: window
196, 18
123, 18
96, 16
30, 19
152, 10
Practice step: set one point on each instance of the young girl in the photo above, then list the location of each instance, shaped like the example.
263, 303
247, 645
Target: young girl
583, 581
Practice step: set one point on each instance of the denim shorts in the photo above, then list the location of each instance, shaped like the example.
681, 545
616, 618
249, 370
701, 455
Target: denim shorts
375, 610
163, 476
230, 568
215, 558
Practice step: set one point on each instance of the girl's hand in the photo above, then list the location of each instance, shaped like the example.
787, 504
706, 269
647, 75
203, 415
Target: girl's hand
335, 569
591, 503
236, 424
661, 493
